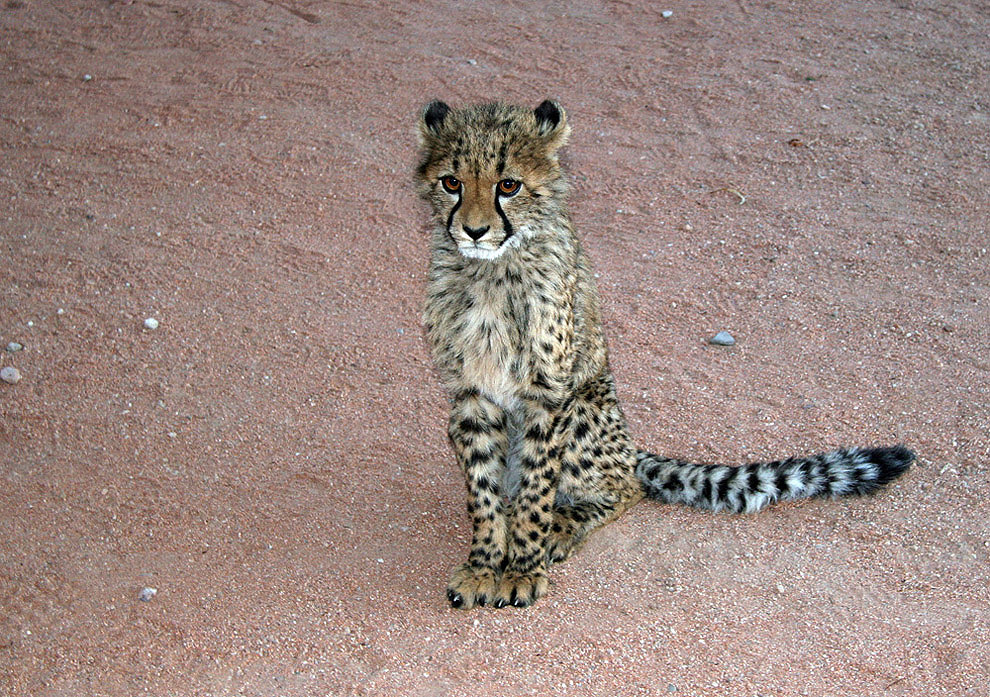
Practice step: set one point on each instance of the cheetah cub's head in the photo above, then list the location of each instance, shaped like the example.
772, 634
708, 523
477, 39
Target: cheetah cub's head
491, 174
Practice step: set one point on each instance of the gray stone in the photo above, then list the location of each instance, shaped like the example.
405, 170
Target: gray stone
722, 339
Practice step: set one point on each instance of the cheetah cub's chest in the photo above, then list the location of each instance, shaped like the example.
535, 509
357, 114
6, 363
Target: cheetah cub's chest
492, 337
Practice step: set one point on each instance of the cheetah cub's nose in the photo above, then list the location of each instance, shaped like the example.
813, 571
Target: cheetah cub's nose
475, 233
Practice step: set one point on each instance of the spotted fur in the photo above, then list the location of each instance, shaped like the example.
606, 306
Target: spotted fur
512, 319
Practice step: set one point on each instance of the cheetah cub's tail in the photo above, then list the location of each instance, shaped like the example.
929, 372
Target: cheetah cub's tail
747, 489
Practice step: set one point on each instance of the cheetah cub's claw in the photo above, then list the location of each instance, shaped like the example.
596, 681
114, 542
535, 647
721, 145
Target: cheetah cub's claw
520, 589
471, 586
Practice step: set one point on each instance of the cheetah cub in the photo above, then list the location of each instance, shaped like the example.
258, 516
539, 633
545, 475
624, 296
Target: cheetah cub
512, 318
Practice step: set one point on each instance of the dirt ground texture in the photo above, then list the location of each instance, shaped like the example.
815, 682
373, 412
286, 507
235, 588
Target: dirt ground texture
272, 459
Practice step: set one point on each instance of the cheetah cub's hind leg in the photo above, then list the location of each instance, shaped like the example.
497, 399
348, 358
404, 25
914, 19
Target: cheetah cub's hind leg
597, 482
574, 522
571, 525
566, 536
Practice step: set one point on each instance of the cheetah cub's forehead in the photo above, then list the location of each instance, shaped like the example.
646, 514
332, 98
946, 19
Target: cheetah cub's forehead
492, 140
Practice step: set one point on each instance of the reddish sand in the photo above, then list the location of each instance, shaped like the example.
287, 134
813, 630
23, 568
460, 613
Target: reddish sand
272, 458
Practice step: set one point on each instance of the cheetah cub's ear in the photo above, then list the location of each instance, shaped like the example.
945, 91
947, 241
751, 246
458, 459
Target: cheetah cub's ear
431, 121
551, 124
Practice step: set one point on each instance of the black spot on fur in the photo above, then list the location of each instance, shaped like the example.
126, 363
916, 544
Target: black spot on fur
487, 484
581, 430
477, 457
540, 380
536, 432
673, 484
501, 158
469, 425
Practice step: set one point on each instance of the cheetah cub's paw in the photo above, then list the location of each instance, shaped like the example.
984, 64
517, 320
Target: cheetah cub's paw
471, 586
520, 590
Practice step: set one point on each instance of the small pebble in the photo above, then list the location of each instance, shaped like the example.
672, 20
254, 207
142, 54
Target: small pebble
722, 339
87, 77
10, 374
151, 323
147, 594
667, 14
14, 347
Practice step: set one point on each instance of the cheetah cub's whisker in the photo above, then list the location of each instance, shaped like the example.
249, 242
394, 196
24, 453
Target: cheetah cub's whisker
513, 321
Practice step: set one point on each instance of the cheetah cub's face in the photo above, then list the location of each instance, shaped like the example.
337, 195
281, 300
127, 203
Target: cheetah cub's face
491, 174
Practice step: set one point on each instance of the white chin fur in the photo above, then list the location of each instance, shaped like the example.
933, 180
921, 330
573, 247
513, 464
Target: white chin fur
471, 251
481, 253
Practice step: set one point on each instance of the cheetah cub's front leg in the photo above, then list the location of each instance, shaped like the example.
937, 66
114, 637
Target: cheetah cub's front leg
478, 431
524, 580
507, 561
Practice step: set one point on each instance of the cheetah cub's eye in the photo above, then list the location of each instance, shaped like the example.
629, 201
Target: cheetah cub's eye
508, 187
451, 184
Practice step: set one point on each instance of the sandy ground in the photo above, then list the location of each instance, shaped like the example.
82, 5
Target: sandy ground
272, 458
